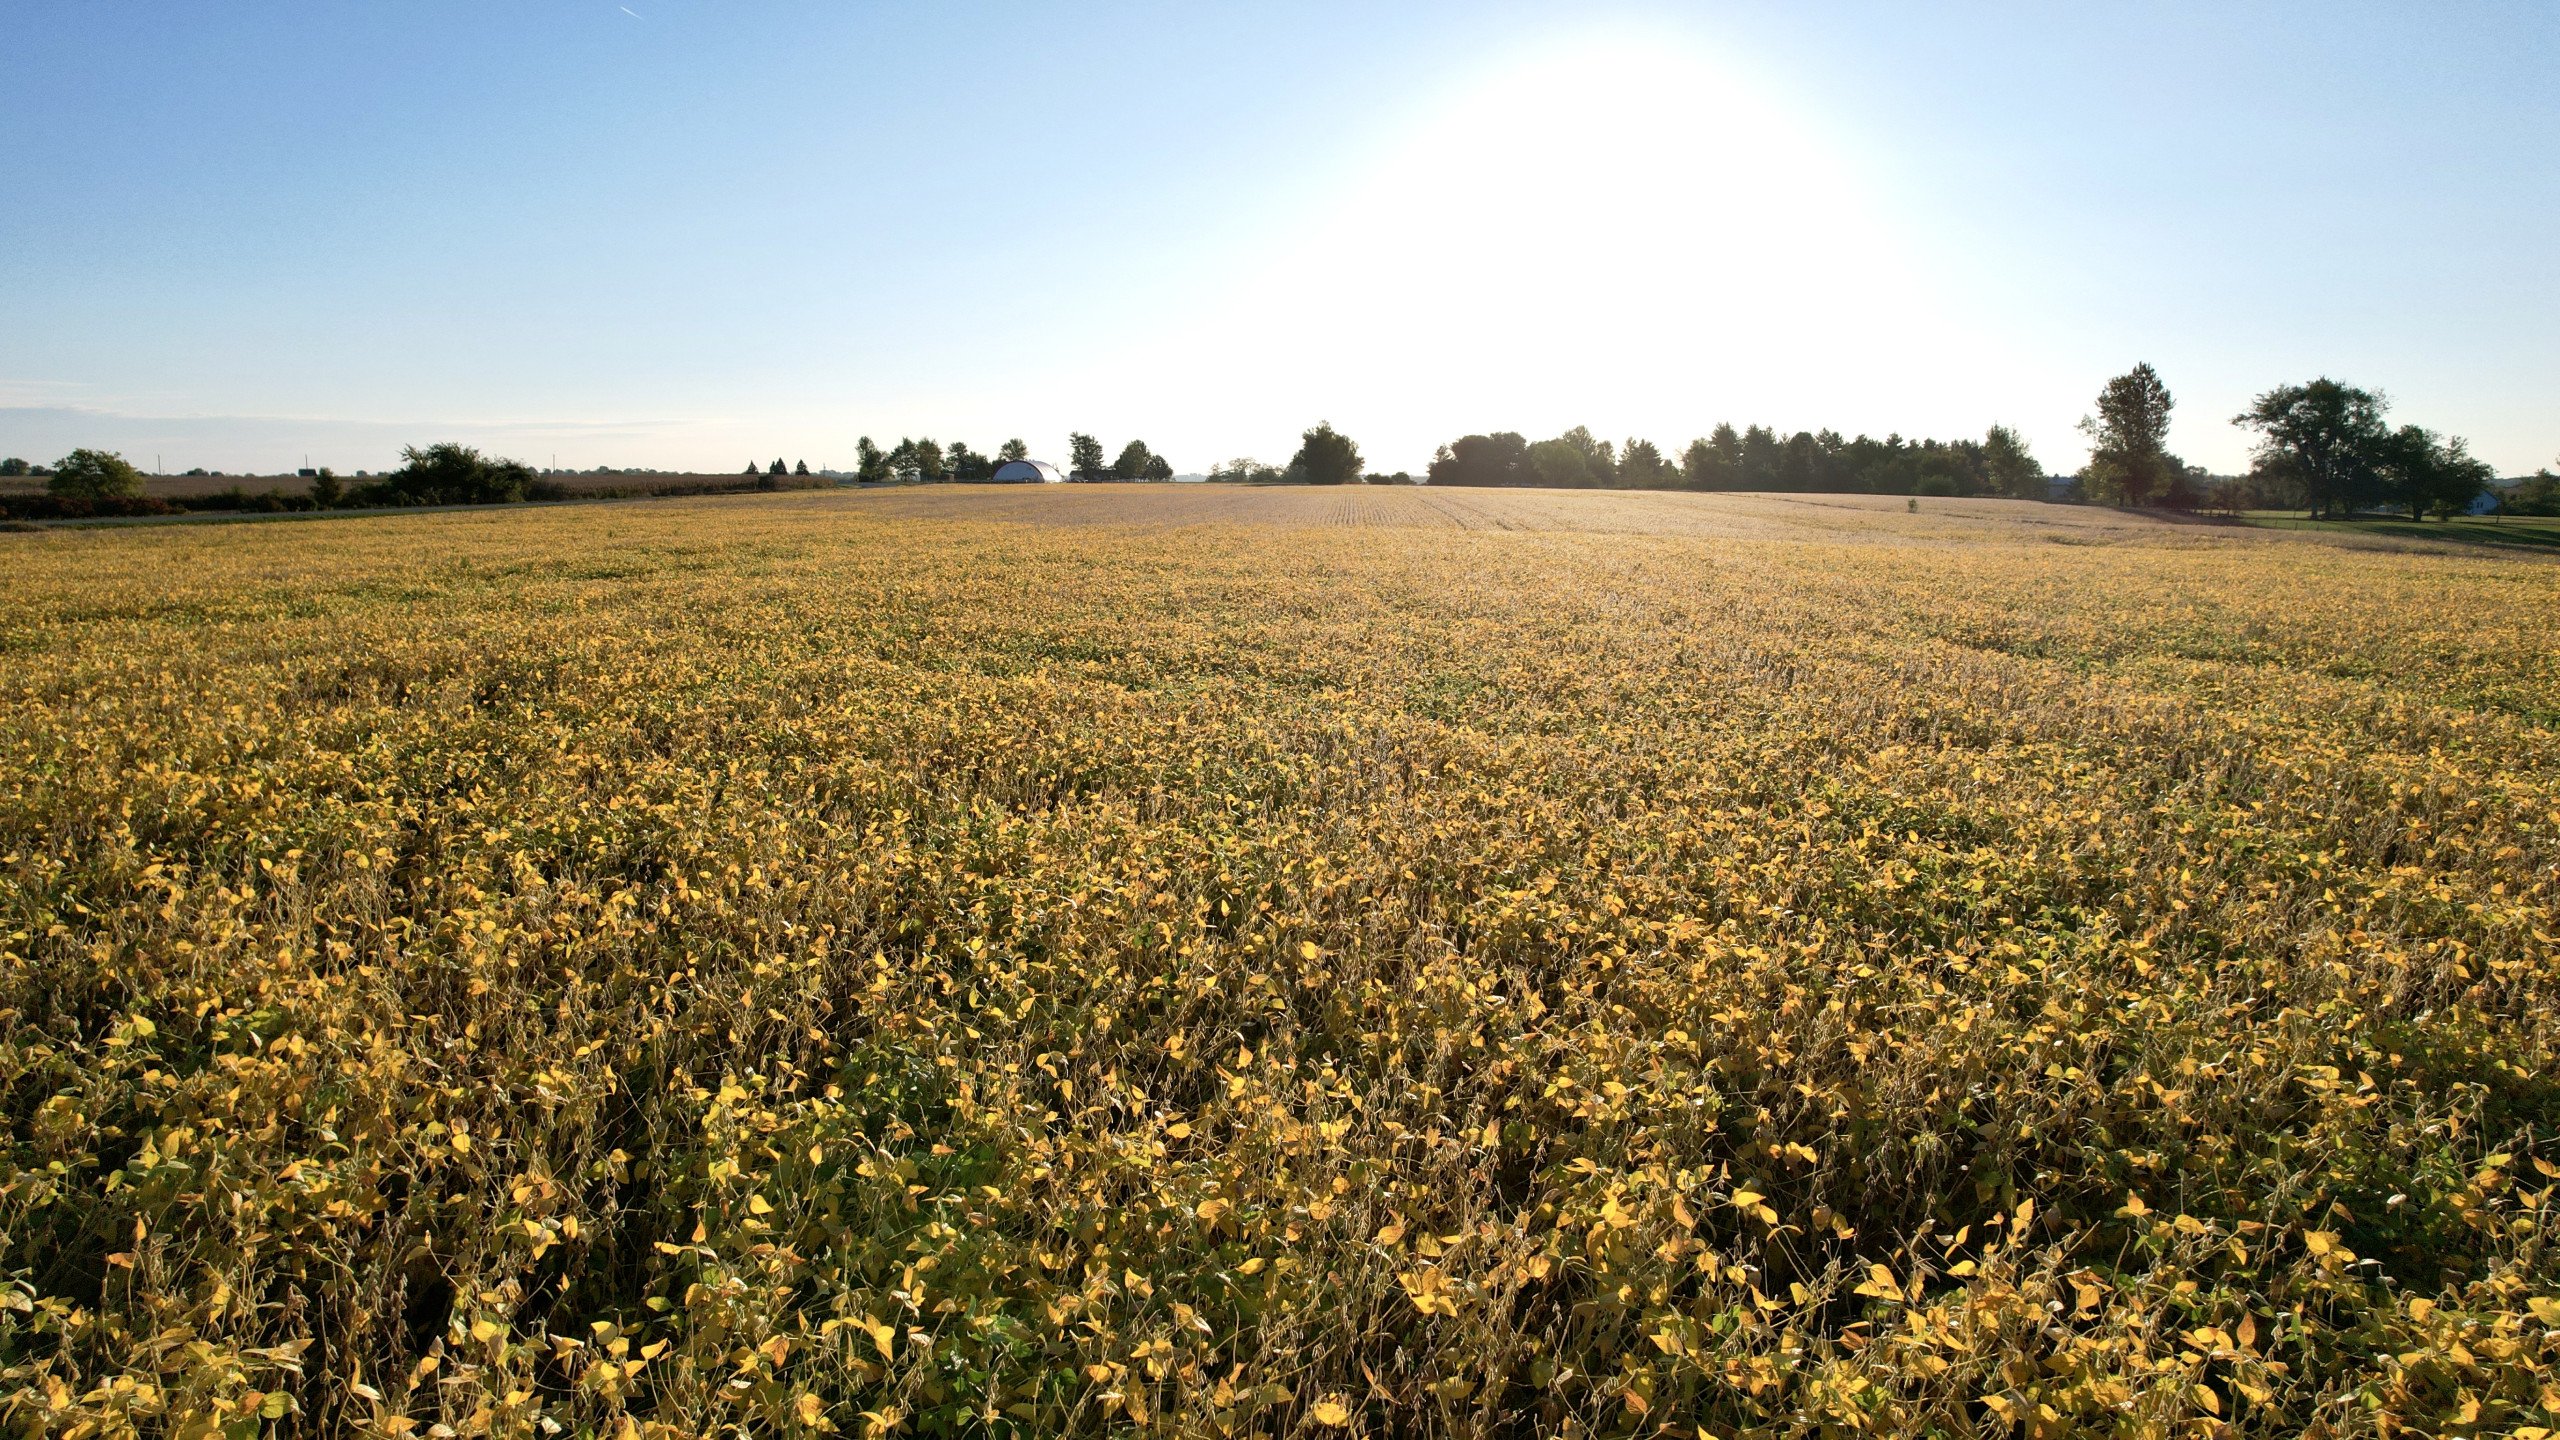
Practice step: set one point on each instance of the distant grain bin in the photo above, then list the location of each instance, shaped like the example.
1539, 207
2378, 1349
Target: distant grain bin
1027, 472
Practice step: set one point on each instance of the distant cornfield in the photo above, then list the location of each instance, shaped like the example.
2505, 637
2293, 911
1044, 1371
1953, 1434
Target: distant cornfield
874, 965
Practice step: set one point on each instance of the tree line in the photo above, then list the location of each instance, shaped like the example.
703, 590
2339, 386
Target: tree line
1325, 456
1754, 457
928, 461
89, 483
2322, 445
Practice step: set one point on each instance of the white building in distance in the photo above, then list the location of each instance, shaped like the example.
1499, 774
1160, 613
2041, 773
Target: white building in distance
1027, 472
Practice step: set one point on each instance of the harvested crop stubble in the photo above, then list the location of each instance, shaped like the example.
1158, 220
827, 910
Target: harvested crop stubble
789, 966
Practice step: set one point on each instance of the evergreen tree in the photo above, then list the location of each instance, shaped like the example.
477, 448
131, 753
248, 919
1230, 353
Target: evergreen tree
1642, 466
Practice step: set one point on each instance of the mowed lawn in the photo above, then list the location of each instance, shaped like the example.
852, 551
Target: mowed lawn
1276, 962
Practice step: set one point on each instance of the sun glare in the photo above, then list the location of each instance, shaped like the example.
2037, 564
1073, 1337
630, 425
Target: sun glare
1620, 234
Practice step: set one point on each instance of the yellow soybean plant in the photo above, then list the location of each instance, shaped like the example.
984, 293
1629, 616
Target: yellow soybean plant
1588, 965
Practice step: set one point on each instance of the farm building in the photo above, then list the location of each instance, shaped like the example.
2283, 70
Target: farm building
1027, 472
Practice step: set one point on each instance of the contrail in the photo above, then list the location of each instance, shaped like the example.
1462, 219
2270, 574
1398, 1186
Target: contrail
627, 10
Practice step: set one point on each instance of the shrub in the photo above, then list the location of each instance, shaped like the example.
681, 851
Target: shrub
449, 474
76, 507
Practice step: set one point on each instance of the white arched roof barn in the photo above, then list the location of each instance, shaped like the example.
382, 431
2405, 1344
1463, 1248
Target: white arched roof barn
1027, 472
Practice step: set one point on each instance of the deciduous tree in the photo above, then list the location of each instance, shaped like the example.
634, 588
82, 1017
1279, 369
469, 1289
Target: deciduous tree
94, 475
919, 462
2008, 467
2324, 436
2419, 469
2129, 459
871, 463
1135, 458
1084, 458
1498, 459
1559, 463
1325, 456
451, 474
1599, 458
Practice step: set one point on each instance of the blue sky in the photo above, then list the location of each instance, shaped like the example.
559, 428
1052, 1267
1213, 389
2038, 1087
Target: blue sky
681, 234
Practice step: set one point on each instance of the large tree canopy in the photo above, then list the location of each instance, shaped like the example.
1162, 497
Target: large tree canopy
1137, 462
1325, 456
2325, 437
1498, 459
94, 475
2417, 468
2129, 459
